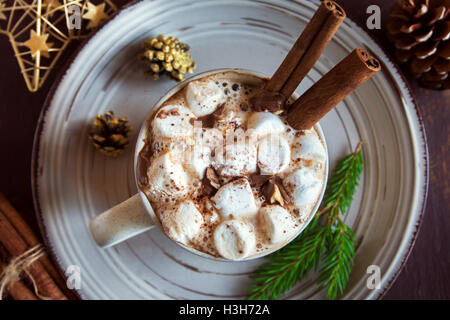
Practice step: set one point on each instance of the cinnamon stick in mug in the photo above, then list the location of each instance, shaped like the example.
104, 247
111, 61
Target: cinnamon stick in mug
307, 49
332, 88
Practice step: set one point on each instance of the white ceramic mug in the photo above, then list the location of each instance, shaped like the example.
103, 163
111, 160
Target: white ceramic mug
135, 215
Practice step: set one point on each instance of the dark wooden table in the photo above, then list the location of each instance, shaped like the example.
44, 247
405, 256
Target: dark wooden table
426, 274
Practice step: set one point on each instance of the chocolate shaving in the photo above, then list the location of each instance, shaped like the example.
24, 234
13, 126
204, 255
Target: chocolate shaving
209, 120
211, 182
274, 191
257, 180
269, 101
287, 198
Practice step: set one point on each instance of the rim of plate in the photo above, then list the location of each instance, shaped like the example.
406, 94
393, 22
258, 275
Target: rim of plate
66, 66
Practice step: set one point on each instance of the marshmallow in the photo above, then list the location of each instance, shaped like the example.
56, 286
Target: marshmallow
200, 159
210, 213
166, 178
235, 198
239, 159
264, 123
173, 122
182, 223
277, 224
203, 97
303, 186
229, 118
274, 154
234, 239
308, 146
208, 137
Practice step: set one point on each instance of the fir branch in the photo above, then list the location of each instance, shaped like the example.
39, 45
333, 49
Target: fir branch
338, 261
326, 241
341, 242
343, 182
290, 264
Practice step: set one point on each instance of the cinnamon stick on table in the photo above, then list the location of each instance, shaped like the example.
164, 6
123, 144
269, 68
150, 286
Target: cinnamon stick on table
301, 58
30, 238
17, 289
15, 244
332, 88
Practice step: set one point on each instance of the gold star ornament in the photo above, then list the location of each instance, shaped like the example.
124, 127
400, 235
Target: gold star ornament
38, 43
2, 15
39, 29
95, 14
51, 6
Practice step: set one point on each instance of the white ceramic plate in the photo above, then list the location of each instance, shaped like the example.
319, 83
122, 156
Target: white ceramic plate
72, 182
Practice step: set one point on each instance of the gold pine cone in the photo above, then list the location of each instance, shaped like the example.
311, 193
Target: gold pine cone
420, 32
110, 135
168, 55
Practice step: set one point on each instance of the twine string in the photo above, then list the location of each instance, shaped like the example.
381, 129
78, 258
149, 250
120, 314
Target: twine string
19, 265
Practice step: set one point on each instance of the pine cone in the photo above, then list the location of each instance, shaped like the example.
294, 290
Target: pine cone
420, 31
110, 136
168, 55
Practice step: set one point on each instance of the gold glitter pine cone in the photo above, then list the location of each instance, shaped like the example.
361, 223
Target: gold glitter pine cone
168, 55
110, 135
420, 32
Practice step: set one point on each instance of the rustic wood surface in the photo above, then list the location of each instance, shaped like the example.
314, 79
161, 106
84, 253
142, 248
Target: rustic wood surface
426, 274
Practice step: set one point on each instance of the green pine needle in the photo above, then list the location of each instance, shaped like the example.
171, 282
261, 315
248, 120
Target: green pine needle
290, 264
326, 242
343, 182
338, 261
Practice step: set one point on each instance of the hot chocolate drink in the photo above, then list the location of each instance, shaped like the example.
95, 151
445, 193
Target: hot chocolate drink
224, 178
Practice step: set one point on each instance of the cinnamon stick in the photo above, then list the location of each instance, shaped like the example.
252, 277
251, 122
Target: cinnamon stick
16, 245
17, 289
331, 89
30, 238
307, 49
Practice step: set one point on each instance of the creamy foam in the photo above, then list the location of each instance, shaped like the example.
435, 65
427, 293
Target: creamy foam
227, 212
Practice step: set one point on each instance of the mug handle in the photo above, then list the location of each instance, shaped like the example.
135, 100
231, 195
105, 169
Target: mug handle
125, 220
